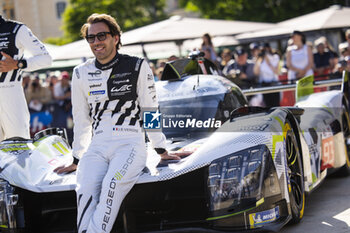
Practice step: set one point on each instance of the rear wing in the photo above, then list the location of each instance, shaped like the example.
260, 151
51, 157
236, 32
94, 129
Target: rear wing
306, 84
304, 87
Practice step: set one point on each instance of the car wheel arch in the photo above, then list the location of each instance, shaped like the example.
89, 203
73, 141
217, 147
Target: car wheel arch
296, 129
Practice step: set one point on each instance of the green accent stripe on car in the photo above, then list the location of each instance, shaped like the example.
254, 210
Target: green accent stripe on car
275, 140
36, 143
14, 149
58, 148
63, 147
279, 121
174, 69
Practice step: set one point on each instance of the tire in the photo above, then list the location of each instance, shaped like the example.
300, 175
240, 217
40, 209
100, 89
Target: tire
345, 170
295, 172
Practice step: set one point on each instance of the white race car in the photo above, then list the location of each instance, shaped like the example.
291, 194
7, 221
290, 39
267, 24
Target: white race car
243, 168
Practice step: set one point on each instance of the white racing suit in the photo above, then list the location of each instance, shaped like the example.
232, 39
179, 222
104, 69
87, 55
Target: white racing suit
14, 114
107, 102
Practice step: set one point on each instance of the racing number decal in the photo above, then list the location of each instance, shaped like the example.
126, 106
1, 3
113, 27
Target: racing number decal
327, 153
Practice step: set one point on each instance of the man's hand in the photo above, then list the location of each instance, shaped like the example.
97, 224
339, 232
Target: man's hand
64, 169
243, 75
167, 156
8, 64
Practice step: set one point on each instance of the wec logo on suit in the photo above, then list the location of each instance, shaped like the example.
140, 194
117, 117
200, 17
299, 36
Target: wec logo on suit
122, 88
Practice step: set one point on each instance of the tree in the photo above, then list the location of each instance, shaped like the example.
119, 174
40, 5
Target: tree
255, 10
129, 14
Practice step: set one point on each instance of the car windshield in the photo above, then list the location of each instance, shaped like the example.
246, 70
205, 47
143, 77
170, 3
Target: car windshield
183, 67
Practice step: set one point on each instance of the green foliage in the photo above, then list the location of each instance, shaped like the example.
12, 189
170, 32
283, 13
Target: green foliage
57, 40
129, 14
256, 10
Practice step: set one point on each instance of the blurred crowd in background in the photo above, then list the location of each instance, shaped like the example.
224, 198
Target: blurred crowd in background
49, 100
255, 65
258, 63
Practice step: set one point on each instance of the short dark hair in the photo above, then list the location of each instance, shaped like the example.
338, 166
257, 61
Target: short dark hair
303, 38
104, 18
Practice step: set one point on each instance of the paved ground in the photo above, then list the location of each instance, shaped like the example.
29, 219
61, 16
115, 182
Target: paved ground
327, 209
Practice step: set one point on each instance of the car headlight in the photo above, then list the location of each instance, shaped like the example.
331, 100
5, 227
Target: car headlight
240, 181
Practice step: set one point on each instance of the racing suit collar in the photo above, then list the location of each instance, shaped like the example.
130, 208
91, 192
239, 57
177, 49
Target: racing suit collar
1, 19
109, 64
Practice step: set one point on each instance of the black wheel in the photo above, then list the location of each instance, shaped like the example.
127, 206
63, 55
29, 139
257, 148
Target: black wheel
295, 173
345, 170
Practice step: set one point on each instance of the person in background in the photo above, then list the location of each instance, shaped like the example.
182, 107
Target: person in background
347, 37
62, 104
241, 71
15, 37
154, 71
334, 55
37, 95
344, 60
254, 51
344, 50
226, 60
172, 58
207, 54
322, 57
299, 57
266, 68
50, 82
25, 80
284, 68
208, 47
161, 63
62, 91
159, 72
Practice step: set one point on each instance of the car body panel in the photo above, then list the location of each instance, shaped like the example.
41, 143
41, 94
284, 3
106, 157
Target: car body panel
30, 165
321, 126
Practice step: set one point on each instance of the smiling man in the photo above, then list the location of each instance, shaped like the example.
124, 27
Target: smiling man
108, 94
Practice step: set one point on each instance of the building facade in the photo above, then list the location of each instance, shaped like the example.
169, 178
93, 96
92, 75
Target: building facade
43, 17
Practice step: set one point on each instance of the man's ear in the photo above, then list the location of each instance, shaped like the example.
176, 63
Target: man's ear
117, 38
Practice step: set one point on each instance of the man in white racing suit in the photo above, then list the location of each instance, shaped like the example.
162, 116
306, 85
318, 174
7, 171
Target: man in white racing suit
14, 39
108, 94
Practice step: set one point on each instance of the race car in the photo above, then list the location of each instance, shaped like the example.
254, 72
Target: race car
242, 167
32, 197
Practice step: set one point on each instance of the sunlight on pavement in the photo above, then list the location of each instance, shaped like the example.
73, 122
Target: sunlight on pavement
344, 216
326, 223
